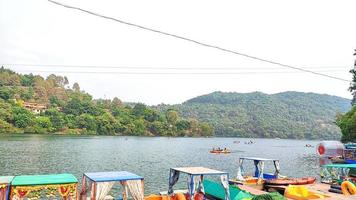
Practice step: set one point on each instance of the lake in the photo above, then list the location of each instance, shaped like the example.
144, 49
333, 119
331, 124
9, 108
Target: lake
150, 157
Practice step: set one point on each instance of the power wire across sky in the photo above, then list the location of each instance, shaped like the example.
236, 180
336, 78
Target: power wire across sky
200, 43
167, 70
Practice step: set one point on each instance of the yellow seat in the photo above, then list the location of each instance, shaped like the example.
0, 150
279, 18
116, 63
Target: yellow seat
299, 192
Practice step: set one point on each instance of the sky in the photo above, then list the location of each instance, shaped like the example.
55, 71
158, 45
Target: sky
137, 65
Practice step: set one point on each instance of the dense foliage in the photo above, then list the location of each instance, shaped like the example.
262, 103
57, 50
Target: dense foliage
284, 115
72, 111
347, 122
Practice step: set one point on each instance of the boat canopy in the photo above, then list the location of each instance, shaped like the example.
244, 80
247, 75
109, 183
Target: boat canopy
44, 179
258, 159
100, 183
259, 167
332, 172
349, 166
195, 179
31, 185
5, 186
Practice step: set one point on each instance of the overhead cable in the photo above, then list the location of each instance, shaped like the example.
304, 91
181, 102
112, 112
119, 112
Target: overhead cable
198, 42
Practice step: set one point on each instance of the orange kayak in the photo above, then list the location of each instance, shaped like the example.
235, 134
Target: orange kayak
220, 151
291, 181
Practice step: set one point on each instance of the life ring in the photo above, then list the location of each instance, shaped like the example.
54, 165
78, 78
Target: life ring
348, 188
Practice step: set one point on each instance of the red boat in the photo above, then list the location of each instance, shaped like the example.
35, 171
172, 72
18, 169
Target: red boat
291, 181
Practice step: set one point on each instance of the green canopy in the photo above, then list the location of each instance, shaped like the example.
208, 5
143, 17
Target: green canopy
350, 166
50, 179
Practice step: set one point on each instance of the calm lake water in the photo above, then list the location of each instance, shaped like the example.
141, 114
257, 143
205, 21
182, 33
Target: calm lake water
150, 157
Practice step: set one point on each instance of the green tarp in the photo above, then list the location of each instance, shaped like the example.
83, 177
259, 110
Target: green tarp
50, 179
216, 190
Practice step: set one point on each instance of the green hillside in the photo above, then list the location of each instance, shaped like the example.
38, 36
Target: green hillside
34, 104
284, 115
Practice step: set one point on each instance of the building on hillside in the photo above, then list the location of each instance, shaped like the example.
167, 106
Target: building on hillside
36, 108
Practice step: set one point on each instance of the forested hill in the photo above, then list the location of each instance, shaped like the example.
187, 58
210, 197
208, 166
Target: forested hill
34, 104
284, 115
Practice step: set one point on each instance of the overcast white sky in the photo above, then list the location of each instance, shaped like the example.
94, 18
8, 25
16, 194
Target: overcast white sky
319, 35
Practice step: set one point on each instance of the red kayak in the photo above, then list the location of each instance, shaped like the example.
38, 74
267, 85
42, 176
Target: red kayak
291, 181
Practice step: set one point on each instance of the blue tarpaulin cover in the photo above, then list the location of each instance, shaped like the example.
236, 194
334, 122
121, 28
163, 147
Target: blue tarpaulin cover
112, 176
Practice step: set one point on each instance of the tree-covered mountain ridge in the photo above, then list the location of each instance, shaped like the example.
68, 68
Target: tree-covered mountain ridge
285, 115
44, 105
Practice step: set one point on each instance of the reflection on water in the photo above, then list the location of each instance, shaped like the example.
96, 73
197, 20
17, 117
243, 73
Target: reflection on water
146, 156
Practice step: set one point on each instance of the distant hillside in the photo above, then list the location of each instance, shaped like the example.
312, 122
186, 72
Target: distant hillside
284, 115
34, 104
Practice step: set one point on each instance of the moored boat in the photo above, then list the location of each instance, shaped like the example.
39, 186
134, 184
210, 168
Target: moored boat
291, 181
5, 187
259, 175
220, 151
44, 187
99, 184
195, 184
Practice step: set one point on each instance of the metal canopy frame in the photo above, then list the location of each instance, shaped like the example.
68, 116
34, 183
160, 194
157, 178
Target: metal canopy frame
195, 180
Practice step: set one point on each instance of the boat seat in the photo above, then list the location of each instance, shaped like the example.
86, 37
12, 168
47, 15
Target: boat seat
266, 175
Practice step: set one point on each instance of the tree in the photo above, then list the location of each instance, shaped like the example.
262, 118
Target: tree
22, 118
139, 127
76, 87
352, 87
6, 127
151, 115
56, 117
157, 128
116, 102
74, 106
5, 111
172, 116
139, 109
86, 121
206, 129
6, 93
55, 101
347, 122
27, 94
43, 122
42, 125
106, 124
27, 80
